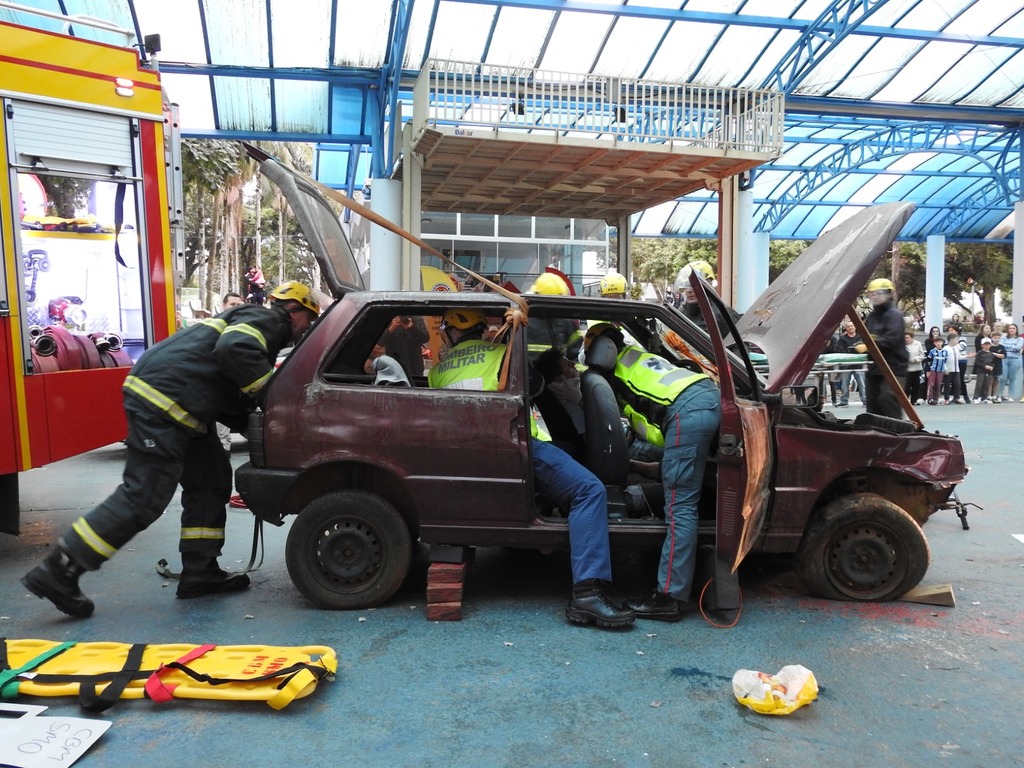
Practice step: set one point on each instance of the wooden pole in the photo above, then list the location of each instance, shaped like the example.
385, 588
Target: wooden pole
876, 354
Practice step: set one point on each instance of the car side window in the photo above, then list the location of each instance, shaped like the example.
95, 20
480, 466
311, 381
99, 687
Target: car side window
400, 335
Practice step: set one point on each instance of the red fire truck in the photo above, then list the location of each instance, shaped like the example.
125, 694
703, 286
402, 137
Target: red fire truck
90, 210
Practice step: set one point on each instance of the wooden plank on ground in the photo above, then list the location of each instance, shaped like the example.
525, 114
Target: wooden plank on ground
935, 594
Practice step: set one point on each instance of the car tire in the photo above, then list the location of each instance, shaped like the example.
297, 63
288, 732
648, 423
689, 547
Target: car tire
348, 550
862, 548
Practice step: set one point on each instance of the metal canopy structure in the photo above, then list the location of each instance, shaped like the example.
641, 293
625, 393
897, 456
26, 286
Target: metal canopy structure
528, 142
917, 100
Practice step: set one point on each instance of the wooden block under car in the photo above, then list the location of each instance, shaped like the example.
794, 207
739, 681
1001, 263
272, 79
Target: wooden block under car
444, 611
937, 594
444, 593
446, 573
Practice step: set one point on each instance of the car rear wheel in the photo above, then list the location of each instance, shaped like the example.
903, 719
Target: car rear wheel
863, 548
348, 550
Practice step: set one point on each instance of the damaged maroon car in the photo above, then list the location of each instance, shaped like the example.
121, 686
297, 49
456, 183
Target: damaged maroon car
369, 470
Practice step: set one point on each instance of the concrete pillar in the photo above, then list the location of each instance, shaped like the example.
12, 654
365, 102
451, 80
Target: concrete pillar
744, 246
727, 217
752, 268
622, 253
412, 211
385, 246
1018, 263
935, 278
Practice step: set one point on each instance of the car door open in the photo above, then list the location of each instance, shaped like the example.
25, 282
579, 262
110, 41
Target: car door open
744, 461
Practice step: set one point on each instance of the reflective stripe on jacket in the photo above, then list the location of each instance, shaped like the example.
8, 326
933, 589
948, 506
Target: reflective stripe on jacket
653, 377
473, 364
648, 384
210, 370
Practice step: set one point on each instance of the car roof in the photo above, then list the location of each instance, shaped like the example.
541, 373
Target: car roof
799, 311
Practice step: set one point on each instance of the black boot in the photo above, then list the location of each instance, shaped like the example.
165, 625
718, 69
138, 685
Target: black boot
590, 605
200, 576
56, 579
657, 606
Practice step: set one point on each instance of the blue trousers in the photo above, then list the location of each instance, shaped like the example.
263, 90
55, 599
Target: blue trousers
844, 385
690, 427
576, 489
1011, 378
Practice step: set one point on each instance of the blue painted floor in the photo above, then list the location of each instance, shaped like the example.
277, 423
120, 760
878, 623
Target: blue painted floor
514, 684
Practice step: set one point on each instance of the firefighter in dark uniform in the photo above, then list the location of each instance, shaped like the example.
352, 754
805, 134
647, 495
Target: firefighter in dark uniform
678, 410
173, 397
887, 327
473, 363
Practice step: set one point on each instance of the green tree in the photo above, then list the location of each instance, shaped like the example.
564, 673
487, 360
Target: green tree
657, 260
981, 269
206, 165
782, 253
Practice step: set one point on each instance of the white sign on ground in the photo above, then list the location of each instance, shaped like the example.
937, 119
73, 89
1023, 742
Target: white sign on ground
28, 740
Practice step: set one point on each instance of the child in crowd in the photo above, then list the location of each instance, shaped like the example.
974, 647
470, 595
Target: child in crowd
951, 385
999, 353
937, 359
984, 365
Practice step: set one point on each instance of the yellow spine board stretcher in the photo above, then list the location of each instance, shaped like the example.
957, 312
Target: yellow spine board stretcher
100, 673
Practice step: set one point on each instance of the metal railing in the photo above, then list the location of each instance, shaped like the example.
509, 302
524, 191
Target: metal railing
573, 105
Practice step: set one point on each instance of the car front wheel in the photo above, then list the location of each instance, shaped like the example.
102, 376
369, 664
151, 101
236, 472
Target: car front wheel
348, 550
863, 548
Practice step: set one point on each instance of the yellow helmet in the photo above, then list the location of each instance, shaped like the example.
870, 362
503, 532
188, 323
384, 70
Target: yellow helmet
593, 331
613, 282
464, 319
295, 291
549, 284
699, 266
881, 284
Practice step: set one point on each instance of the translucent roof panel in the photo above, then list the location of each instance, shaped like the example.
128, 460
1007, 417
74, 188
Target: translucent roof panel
291, 21
360, 33
519, 33
575, 42
233, 43
243, 103
926, 95
301, 106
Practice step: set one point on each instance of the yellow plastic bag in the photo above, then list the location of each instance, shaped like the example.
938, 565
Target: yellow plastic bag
778, 694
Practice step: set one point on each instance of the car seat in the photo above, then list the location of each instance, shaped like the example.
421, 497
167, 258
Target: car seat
389, 373
607, 451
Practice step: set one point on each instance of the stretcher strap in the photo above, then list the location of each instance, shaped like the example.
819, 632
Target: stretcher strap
90, 701
119, 220
285, 672
9, 677
159, 691
295, 679
513, 320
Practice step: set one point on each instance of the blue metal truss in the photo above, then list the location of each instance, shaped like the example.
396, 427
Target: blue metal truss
830, 28
894, 141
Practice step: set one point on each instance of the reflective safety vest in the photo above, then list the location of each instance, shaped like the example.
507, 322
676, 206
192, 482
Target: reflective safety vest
473, 364
536, 430
652, 384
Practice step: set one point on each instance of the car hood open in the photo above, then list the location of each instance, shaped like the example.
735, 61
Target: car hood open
793, 319
318, 221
